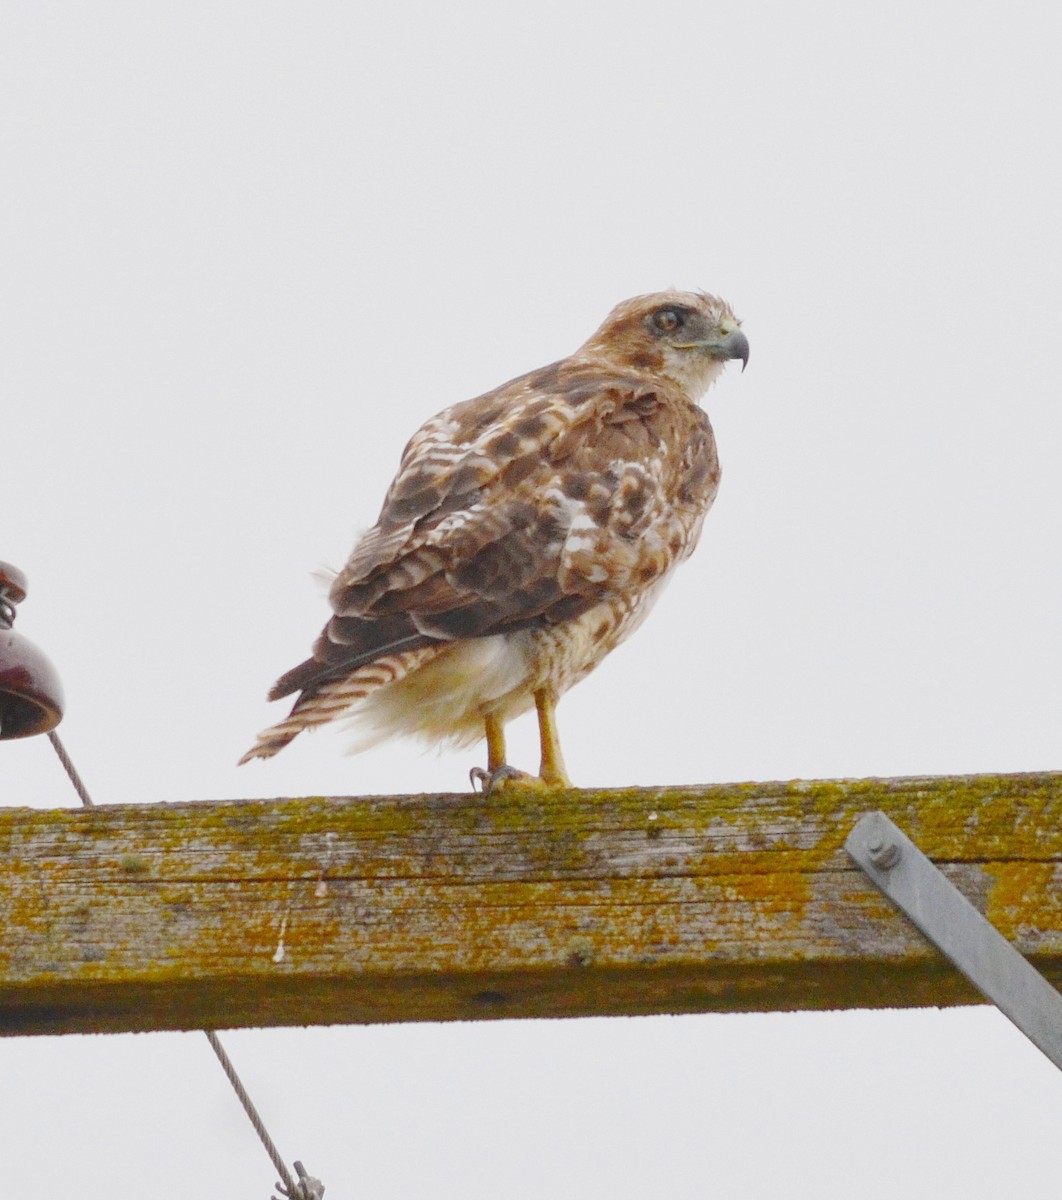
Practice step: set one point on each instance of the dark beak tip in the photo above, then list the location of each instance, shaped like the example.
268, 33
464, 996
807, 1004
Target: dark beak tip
737, 345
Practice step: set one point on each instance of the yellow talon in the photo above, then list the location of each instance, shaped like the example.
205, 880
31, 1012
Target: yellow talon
500, 775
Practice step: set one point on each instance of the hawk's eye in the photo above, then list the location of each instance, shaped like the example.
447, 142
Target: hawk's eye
667, 320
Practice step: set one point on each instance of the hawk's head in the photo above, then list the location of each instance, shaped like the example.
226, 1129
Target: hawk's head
685, 336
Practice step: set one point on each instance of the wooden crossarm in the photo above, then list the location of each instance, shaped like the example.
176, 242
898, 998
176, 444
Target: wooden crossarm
735, 897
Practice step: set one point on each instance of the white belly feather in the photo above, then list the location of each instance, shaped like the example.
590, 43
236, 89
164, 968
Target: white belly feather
447, 698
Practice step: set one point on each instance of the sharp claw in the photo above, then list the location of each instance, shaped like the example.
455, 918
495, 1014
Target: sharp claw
489, 780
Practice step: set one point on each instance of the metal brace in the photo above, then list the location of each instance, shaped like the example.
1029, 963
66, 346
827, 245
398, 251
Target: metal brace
894, 864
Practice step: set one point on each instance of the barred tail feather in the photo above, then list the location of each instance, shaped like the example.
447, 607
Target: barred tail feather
335, 698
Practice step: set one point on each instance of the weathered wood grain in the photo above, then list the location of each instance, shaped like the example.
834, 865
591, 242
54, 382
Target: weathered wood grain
311, 911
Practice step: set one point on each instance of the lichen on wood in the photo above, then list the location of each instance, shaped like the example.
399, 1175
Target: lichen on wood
732, 897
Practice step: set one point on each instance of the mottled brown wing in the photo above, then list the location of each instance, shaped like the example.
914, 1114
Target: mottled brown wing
435, 498
530, 504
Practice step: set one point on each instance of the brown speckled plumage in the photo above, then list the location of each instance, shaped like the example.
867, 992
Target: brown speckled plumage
526, 533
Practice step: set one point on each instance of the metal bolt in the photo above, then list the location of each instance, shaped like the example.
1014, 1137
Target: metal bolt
884, 854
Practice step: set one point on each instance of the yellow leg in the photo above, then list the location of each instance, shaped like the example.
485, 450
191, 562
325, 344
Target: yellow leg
495, 744
552, 771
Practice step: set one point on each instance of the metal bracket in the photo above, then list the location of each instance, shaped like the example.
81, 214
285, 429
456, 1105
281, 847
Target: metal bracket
894, 864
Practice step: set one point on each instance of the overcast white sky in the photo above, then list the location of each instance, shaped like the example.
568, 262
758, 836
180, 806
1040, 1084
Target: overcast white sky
248, 248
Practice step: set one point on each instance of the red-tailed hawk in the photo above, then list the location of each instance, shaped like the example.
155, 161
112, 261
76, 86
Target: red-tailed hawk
526, 534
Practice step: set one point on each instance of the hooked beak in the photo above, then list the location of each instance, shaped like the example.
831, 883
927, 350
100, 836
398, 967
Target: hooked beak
733, 345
